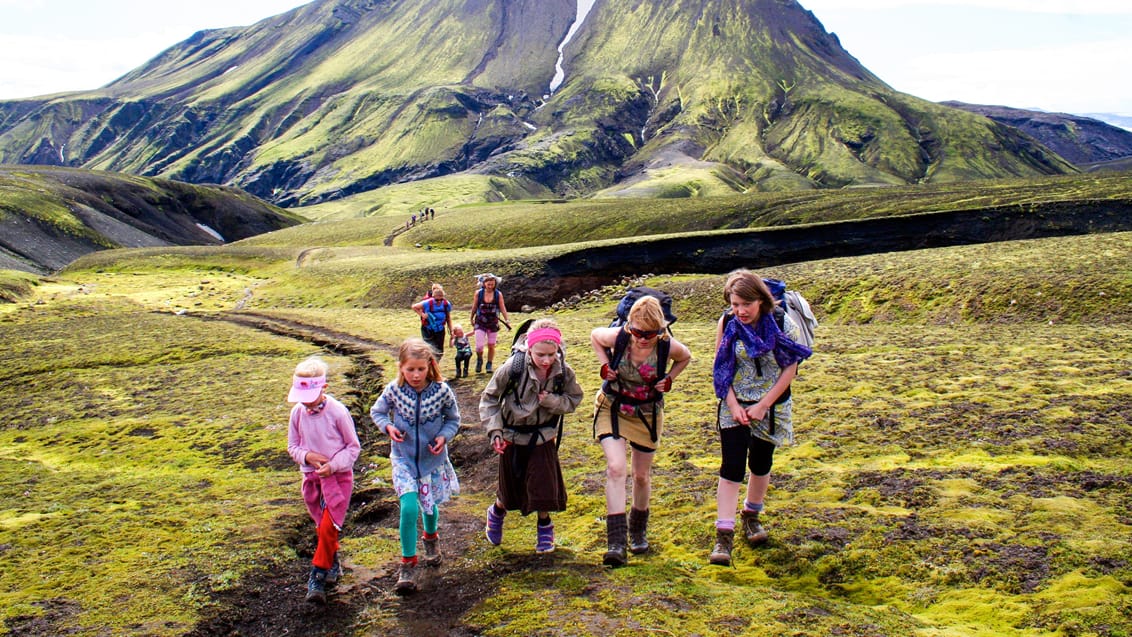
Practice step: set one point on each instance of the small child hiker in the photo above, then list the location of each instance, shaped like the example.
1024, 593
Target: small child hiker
463, 347
322, 440
522, 411
418, 412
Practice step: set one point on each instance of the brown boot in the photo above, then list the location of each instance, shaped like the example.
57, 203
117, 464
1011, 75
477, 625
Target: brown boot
616, 532
721, 553
638, 531
754, 531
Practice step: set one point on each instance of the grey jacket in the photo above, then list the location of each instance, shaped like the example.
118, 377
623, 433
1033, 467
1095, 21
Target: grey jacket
522, 407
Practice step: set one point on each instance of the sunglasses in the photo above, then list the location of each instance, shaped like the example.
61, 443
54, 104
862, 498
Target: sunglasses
645, 333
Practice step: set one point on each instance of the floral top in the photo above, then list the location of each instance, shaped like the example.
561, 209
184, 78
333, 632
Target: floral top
754, 377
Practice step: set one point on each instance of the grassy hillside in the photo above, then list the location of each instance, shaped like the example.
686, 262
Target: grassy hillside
51, 216
961, 465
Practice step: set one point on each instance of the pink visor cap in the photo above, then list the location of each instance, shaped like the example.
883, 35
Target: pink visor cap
306, 389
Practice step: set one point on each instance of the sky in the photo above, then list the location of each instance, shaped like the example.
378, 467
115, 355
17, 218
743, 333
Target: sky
1071, 56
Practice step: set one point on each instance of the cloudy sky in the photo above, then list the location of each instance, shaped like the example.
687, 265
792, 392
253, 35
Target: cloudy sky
1066, 56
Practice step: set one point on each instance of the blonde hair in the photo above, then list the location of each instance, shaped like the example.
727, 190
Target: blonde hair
437, 290
646, 314
457, 327
418, 349
312, 367
751, 288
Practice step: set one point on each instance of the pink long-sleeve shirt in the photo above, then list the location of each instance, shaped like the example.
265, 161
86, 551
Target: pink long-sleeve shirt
330, 432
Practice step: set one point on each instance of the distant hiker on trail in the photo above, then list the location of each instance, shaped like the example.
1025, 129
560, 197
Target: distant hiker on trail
630, 407
463, 350
488, 309
522, 409
322, 441
436, 318
755, 362
418, 412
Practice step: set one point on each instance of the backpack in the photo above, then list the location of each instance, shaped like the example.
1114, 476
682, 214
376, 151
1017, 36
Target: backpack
435, 319
632, 295
791, 303
517, 375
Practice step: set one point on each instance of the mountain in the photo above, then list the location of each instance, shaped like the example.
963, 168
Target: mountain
1120, 121
1080, 140
659, 98
51, 216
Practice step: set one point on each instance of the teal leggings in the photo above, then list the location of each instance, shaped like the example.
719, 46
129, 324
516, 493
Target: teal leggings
410, 511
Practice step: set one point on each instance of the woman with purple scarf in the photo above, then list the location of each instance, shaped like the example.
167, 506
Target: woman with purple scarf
755, 361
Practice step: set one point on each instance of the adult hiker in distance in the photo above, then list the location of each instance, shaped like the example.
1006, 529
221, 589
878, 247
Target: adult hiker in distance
488, 310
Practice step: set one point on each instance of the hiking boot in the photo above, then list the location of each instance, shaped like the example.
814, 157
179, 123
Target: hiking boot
721, 553
493, 530
466, 368
334, 574
488, 367
316, 586
638, 531
479, 363
754, 532
457, 371
616, 532
406, 582
545, 543
431, 550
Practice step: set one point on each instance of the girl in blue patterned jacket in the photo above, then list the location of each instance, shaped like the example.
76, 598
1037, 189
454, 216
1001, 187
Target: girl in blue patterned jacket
419, 413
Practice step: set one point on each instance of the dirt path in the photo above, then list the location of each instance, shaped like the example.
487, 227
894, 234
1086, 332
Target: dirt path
271, 602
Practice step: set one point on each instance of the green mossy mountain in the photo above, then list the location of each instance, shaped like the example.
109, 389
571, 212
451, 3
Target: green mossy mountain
50, 216
671, 98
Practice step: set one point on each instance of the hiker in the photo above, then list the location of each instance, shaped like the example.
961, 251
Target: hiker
418, 412
463, 350
522, 409
322, 440
487, 310
755, 361
630, 407
436, 318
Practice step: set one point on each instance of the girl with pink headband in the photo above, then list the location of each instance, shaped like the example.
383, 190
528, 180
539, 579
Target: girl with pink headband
522, 409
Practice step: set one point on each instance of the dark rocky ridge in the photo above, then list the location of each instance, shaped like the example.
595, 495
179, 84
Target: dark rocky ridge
590, 268
1081, 140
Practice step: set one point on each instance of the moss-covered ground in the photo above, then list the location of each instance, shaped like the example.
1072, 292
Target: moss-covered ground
961, 464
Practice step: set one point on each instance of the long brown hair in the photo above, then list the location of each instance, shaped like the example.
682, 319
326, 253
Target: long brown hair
750, 287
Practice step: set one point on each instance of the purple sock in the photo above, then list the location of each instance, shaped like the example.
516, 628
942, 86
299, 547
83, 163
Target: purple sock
725, 525
757, 508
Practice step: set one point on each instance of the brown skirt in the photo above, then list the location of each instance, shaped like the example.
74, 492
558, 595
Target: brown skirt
530, 479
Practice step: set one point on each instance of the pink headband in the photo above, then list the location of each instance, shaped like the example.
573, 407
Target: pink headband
544, 334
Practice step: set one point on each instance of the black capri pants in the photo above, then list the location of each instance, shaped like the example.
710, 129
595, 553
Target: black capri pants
739, 448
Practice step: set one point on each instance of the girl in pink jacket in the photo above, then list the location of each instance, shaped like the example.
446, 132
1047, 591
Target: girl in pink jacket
322, 440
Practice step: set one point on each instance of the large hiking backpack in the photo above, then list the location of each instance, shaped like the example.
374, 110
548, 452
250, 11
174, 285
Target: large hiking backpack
436, 313
517, 374
632, 295
791, 303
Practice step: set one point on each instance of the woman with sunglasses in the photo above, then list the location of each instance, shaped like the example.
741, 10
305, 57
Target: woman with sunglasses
630, 407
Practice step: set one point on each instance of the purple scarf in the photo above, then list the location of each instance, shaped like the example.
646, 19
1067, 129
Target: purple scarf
758, 340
